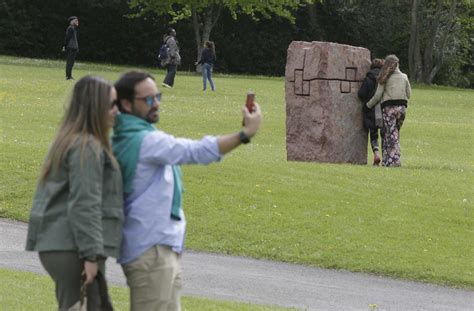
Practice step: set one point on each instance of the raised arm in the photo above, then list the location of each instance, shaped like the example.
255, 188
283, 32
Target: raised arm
252, 124
161, 148
377, 96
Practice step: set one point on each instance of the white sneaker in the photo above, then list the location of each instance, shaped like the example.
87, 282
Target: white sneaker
166, 85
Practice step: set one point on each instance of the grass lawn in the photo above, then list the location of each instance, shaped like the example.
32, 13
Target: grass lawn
29, 291
414, 222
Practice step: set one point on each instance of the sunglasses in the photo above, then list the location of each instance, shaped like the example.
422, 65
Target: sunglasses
150, 99
114, 103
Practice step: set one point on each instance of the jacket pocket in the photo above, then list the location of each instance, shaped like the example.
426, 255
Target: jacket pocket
112, 178
112, 221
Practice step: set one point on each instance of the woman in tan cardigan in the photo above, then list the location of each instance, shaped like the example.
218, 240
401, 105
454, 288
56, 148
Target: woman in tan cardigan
393, 92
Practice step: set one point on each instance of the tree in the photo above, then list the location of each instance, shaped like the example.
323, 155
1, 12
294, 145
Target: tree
432, 27
205, 13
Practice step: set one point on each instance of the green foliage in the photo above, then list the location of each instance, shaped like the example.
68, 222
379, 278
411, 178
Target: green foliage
29, 291
382, 28
458, 68
250, 36
413, 222
181, 9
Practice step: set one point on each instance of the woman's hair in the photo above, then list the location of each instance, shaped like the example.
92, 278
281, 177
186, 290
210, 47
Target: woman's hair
86, 114
210, 45
376, 63
389, 66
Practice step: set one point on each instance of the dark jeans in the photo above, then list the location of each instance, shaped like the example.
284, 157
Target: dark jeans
171, 72
374, 139
65, 268
71, 57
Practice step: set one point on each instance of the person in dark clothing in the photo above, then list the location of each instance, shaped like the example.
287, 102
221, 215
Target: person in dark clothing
71, 46
173, 59
366, 91
208, 57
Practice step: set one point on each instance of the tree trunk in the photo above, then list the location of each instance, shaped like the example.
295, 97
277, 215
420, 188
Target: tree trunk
414, 44
439, 55
430, 45
197, 30
202, 32
413, 40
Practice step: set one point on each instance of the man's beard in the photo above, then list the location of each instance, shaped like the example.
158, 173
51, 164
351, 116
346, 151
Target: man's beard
150, 119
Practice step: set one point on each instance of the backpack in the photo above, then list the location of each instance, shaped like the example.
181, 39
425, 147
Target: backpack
163, 53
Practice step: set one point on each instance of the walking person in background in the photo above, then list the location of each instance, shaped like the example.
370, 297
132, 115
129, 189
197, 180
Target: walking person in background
71, 46
366, 91
173, 58
150, 159
77, 213
208, 57
393, 91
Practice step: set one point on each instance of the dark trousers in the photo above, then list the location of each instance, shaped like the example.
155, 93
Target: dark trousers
374, 139
71, 57
65, 268
171, 72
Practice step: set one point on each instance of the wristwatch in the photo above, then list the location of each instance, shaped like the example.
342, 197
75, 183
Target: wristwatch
244, 139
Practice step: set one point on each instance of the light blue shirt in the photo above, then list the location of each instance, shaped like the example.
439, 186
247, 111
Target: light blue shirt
148, 219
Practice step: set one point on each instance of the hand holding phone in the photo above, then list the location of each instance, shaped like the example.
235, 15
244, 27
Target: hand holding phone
250, 101
249, 104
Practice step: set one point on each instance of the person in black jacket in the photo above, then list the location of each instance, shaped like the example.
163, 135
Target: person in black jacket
366, 91
71, 46
208, 57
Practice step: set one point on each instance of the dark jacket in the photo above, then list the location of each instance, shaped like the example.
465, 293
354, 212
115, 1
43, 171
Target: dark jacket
70, 41
80, 207
366, 91
207, 57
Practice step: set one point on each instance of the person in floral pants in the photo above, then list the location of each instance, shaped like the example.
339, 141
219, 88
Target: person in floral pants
393, 117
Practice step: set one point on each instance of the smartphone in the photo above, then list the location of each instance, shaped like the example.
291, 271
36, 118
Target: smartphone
249, 103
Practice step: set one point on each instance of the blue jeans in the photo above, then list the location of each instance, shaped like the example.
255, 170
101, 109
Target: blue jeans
207, 75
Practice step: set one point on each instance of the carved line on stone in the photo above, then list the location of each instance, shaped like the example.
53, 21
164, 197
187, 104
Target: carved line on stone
301, 87
325, 79
345, 86
351, 71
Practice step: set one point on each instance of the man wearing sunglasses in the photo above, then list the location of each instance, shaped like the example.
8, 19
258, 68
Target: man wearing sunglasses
154, 228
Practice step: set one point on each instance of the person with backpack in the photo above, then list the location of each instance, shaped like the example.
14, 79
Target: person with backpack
171, 58
366, 91
208, 57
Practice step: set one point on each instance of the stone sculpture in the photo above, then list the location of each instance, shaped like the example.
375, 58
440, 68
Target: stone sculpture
323, 112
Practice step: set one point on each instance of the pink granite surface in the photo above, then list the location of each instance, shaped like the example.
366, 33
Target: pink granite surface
323, 112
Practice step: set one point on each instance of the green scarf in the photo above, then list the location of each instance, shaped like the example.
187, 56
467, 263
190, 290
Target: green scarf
129, 132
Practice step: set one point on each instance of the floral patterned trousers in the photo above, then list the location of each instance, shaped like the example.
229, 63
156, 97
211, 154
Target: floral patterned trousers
393, 117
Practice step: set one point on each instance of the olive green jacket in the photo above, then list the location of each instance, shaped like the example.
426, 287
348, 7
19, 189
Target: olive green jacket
80, 206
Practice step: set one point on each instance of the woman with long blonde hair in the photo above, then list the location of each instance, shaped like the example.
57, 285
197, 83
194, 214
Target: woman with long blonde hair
393, 91
76, 217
